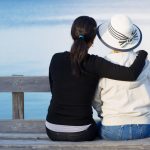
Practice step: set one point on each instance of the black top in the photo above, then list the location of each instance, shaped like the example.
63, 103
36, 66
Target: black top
72, 96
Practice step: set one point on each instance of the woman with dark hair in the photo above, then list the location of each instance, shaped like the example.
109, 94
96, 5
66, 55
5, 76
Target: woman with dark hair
73, 80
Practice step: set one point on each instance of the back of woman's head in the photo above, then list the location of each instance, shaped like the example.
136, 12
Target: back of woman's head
83, 32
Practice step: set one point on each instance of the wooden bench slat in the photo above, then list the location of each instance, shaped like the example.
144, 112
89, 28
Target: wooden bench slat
23, 136
22, 126
24, 84
90, 145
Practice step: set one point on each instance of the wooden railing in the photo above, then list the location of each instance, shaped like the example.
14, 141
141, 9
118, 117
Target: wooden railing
19, 134
17, 85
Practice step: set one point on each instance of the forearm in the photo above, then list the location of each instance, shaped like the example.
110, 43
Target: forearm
138, 64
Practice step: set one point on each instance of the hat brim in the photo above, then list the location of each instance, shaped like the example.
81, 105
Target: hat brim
108, 40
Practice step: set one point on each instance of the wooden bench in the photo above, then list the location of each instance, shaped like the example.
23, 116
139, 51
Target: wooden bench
20, 134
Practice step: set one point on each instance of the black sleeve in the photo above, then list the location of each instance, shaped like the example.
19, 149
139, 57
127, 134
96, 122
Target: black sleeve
107, 69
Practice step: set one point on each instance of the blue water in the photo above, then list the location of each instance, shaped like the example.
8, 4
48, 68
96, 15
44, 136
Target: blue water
31, 31
35, 105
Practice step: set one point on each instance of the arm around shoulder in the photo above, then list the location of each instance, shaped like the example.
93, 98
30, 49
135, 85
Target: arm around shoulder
104, 68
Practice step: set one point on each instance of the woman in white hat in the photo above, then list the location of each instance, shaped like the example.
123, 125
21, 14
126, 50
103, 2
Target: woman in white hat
123, 106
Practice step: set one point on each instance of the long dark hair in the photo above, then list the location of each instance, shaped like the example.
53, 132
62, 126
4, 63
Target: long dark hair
83, 32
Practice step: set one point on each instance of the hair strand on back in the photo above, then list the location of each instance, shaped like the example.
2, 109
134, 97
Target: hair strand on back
83, 32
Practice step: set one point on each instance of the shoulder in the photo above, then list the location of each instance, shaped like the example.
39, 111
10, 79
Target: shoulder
60, 55
147, 64
93, 59
92, 56
92, 63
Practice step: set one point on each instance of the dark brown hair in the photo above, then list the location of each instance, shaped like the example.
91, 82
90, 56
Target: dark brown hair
83, 32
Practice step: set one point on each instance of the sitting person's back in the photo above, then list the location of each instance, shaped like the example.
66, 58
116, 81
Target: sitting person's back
126, 102
70, 93
123, 106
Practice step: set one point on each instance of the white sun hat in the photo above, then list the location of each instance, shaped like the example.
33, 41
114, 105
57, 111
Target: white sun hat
119, 33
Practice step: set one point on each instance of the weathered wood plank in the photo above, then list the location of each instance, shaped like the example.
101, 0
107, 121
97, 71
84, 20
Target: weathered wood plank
18, 105
22, 126
37, 140
24, 84
23, 136
93, 145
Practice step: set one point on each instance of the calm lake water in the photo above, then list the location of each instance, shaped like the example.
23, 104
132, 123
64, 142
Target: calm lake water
31, 31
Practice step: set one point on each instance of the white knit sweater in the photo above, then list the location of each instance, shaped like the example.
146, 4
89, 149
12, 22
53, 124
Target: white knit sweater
121, 102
